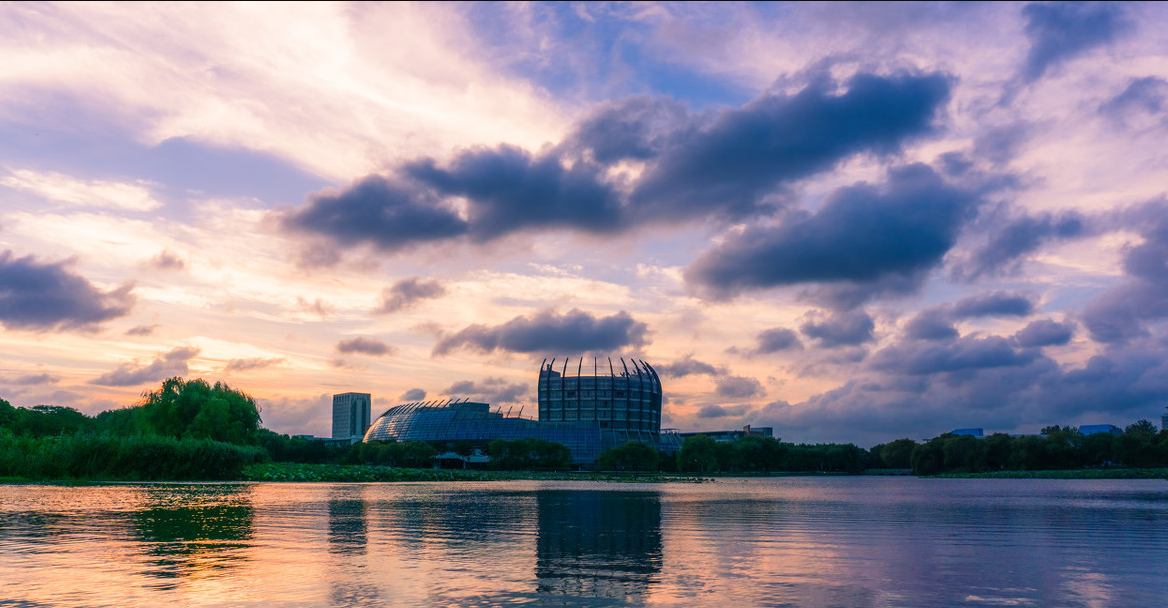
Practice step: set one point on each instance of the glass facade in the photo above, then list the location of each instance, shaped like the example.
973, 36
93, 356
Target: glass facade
624, 397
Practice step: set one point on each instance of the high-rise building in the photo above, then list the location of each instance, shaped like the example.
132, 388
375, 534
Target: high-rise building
1164, 422
351, 415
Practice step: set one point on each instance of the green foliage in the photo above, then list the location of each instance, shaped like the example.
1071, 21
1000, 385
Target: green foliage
631, 456
698, 453
529, 455
196, 409
138, 458
1058, 448
413, 454
897, 454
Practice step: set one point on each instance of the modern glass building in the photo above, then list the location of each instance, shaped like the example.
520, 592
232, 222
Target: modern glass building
608, 411
624, 397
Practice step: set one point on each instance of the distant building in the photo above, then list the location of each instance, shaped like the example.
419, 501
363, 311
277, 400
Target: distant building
747, 431
585, 409
1091, 429
1164, 422
351, 416
979, 433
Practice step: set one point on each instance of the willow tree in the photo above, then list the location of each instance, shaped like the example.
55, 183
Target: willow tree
196, 409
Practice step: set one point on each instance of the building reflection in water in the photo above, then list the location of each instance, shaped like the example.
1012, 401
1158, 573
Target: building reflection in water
194, 531
351, 583
598, 545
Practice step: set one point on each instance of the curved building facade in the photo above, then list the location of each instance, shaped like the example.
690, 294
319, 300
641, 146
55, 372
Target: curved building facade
624, 397
586, 413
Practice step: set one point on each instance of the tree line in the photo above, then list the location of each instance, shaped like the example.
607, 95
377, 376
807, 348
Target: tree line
1139, 445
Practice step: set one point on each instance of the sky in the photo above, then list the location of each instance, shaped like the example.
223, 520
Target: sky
848, 222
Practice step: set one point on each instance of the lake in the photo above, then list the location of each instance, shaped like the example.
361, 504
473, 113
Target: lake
790, 541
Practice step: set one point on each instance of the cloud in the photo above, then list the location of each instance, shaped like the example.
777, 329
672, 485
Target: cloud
511, 190
546, 331
922, 358
722, 411
141, 330
167, 260
412, 395
317, 307
172, 363
408, 292
1061, 31
861, 234
47, 297
364, 346
777, 339
745, 153
1016, 237
1147, 95
378, 212
1121, 313
1044, 332
239, 365
738, 387
34, 380
92, 193
995, 304
696, 168
686, 366
491, 390
931, 324
840, 329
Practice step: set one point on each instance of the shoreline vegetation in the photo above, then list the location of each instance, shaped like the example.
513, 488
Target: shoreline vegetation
196, 431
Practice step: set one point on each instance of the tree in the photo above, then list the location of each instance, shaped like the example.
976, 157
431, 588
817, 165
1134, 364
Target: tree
631, 456
898, 454
698, 453
196, 409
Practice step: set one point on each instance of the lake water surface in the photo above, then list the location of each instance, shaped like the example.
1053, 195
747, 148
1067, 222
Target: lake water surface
797, 541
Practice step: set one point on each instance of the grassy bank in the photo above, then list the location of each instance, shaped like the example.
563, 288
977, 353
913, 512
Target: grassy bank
1069, 474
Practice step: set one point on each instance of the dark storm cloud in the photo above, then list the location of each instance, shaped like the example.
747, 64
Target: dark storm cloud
931, 324
1121, 313
377, 212
1061, 31
173, 363
47, 297
995, 304
365, 346
634, 129
239, 365
721, 411
738, 387
1148, 95
546, 331
491, 390
1045, 332
861, 234
746, 153
777, 339
840, 329
1016, 237
696, 167
414, 394
685, 366
921, 358
408, 292
511, 190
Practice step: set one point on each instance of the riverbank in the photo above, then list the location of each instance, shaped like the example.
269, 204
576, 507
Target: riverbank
1068, 474
284, 471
